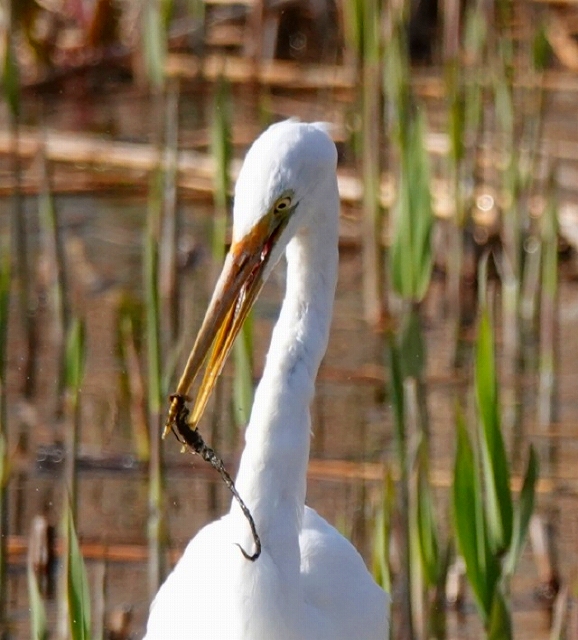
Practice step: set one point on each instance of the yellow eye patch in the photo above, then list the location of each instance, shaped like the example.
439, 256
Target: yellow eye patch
282, 204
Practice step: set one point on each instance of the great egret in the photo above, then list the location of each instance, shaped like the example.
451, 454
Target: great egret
309, 582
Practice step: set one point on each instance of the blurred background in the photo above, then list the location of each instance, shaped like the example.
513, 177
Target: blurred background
445, 424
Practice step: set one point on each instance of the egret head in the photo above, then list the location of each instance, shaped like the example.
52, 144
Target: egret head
288, 173
283, 181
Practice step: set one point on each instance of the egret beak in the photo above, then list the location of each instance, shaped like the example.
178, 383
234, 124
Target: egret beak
237, 289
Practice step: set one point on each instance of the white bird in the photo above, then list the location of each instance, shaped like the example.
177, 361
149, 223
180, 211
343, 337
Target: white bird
309, 582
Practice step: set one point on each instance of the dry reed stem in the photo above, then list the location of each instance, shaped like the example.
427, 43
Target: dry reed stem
196, 170
296, 76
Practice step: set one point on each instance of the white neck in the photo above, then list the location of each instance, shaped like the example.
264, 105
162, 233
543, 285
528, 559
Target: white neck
272, 473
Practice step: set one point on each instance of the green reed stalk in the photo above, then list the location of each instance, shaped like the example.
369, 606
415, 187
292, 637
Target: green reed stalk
382, 534
54, 251
155, 15
4, 467
171, 224
512, 221
20, 235
155, 391
99, 590
399, 410
73, 372
548, 314
533, 121
411, 257
73, 377
423, 556
221, 152
372, 227
221, 149
363, 20
128, 330
77, 588
410, 267
38, 623
463, 82
413, 430
490, 527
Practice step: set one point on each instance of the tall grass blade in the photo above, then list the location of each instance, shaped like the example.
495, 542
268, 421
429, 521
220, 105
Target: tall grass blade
412, 344
222, 154
154, 42
75, 357
548, 313
469, 524
426, 527
154, 385
523, 513
411, 252
38, 622
133, 381
399, 410
55, 256
171, 223
151, 287
382, 535
500, 624
397, 400
77, 589
73, 376
369, 58
493, 453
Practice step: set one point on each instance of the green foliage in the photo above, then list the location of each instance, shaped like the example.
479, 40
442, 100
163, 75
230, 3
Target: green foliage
38, 623
431, 558
11, 76
463, 87
411, 252
362, 22
221, 152
424, 558
541, 49
77, 590
397, 73
504, 102
412, 344
382, 533
523, 512
75, 356
130, 331
500, 623
154, 14
549, 233
152, 294
494, 460
490, 528
469, 523
397, 401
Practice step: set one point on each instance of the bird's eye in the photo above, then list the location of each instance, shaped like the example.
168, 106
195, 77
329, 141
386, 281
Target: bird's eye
282, 204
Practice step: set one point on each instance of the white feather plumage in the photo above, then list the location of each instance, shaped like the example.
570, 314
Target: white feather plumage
309, 583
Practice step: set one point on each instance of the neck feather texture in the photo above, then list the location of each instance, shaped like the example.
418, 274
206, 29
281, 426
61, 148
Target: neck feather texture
272, 473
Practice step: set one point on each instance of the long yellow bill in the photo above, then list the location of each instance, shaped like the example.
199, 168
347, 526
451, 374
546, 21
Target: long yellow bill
239, 284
